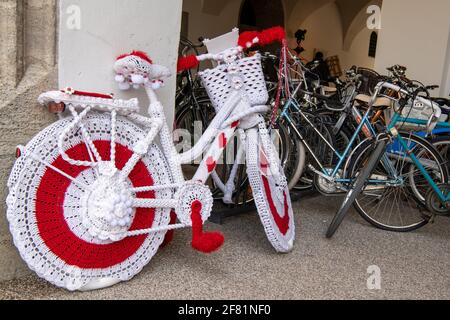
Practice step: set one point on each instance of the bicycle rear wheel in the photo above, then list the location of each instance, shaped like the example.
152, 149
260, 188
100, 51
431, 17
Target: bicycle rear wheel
293, 155
50, 213
399, 203
315, 137
442, 145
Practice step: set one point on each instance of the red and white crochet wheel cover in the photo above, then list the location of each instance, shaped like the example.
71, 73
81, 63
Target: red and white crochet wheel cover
44, 207
274, 207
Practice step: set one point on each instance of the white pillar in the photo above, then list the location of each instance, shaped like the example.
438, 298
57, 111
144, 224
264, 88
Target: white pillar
415, 33
93, 33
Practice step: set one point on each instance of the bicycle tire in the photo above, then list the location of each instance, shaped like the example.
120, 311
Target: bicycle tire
356, 189
293, 155
442, 144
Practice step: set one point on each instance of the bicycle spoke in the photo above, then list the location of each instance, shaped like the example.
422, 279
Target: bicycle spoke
37, 158
113, 136
155, 188
154, 203
86, 137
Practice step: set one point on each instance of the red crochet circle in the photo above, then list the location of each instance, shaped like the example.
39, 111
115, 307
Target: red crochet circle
281, 222
56, 233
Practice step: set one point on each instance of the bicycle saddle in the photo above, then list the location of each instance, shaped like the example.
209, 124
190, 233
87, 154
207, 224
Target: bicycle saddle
137, 69
443, 103
381, 103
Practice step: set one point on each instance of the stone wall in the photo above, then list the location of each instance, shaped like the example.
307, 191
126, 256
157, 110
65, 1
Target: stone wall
27, 68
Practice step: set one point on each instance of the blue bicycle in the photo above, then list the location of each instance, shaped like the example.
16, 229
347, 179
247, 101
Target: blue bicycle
402, 181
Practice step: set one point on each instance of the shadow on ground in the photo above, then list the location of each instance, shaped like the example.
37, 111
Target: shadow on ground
413, 265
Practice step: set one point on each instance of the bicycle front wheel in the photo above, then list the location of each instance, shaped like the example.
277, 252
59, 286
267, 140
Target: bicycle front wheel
271, 193
394, 199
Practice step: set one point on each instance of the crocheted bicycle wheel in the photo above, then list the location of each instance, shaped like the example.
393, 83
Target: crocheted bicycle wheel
46, 208
272, 201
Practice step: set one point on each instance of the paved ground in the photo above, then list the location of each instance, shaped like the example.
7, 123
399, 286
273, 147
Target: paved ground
414, 265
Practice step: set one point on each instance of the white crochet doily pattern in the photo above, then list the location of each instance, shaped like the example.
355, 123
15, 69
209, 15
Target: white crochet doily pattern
218, 81
45, 208
190, 192
271, 195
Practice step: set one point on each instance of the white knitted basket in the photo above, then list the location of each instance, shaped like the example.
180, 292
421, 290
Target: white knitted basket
218, 82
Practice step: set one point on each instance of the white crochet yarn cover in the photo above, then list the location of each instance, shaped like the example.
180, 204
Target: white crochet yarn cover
44, 208
273, 203
218, 83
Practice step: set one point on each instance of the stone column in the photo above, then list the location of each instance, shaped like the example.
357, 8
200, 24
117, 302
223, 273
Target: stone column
27, 68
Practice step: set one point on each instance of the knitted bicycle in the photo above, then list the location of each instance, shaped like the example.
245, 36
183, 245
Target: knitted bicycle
92, 197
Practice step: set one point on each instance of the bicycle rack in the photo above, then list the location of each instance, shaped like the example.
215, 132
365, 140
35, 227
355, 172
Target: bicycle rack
221, 211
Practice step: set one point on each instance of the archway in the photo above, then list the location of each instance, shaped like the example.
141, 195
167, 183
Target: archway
261, 14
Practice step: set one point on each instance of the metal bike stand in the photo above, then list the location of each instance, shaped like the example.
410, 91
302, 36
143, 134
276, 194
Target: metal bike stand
221, 212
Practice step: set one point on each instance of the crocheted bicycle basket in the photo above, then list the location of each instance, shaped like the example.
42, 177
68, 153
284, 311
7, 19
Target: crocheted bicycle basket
218, 82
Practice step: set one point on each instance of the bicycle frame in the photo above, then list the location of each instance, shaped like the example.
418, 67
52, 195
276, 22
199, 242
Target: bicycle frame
397, 118
219, 132
332, 175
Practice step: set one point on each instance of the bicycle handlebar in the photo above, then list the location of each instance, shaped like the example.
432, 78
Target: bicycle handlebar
250, 39
246, 40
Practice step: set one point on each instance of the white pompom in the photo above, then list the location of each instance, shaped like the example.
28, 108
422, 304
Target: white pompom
137, 79
120, 78
156, 85
124, 86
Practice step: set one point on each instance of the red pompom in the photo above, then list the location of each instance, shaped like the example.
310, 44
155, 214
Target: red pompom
247, 37
265, 37
272, 35
140, 54
186, 63
206, 242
